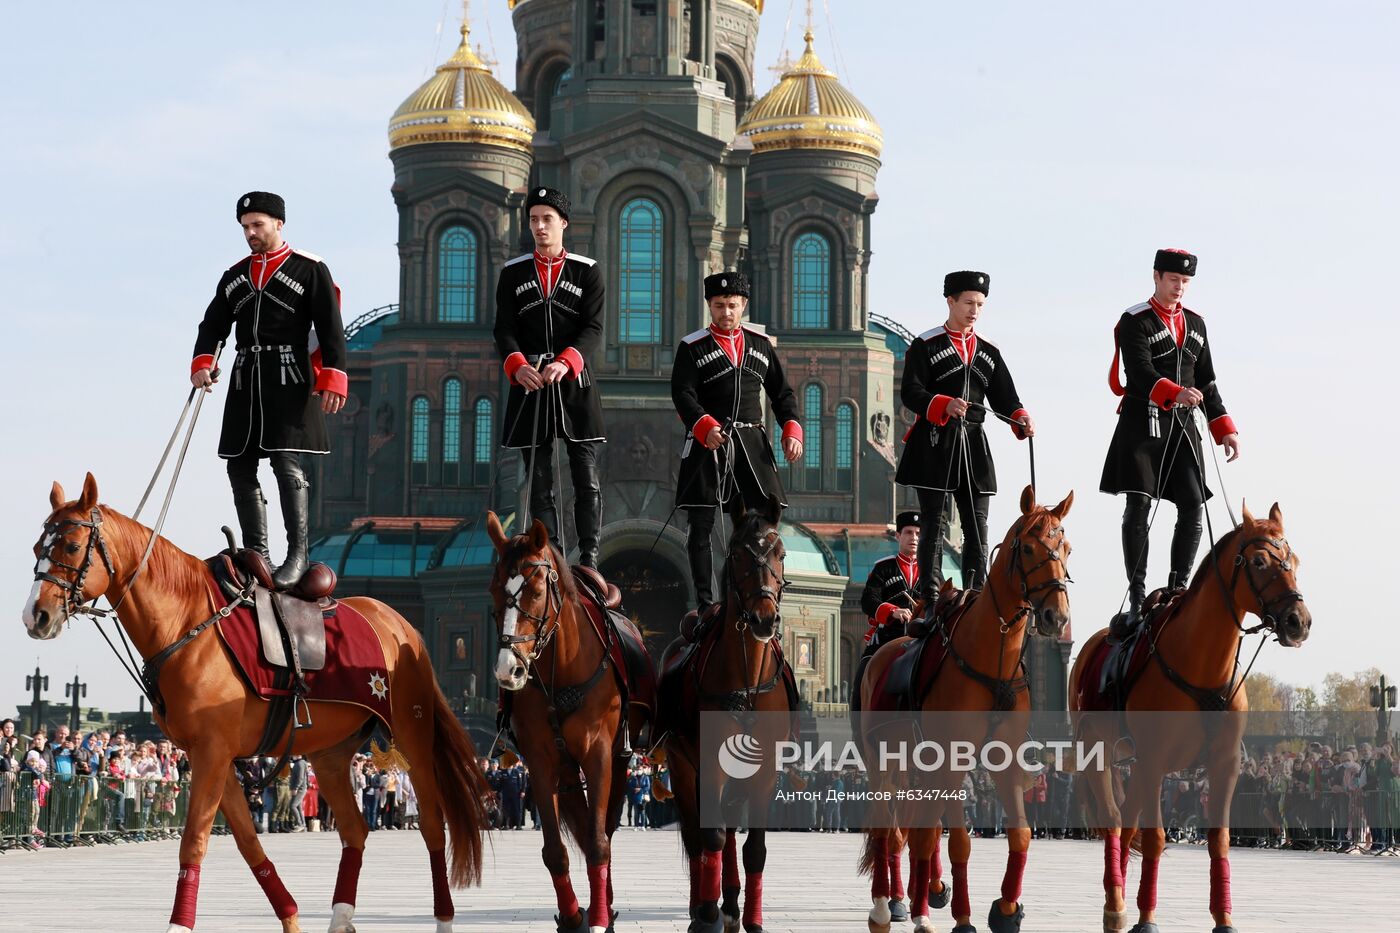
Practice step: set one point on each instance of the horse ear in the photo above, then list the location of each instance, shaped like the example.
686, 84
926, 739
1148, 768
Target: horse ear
539, 536
56, 496
947, 587
1027, 500
1276, 516
88, 499
495, 532
1061, 510
1246, 517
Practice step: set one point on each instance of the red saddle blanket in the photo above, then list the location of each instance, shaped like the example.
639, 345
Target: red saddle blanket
631, 664
355, 671
679, 690
906, 680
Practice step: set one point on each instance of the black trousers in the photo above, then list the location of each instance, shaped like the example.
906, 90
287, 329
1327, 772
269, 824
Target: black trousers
588, 492
972, 512
700, 532
1186, 539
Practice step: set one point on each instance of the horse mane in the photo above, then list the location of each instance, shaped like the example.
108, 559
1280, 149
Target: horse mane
519, 546
1198, 579
183, 571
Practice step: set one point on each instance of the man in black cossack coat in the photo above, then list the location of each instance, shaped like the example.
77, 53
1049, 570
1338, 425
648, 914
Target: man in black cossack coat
288, 372
549, 328
1156, 448
889, 594
952, 375
717, 384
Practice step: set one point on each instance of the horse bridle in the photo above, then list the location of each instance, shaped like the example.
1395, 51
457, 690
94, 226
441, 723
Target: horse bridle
1269, 610
1031, 602
545, 627
75, 602
761, 549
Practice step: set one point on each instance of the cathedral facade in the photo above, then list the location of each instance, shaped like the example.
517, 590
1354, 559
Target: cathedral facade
645, 113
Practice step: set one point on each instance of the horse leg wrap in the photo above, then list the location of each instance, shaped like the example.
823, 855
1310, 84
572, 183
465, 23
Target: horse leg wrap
1011, 881
710, 870
186, 896
731, 861
443, 908
1220, 886
880, 867
1112, 863
564, 896
598, 906
919, 875
694, 881
276, 891
1147, 887
962, 898
753, 899
897, 875
347, 879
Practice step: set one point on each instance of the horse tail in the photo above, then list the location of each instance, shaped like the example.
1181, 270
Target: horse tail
462, 789
865, 864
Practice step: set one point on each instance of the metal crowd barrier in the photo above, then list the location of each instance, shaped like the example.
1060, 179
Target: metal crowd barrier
86, 810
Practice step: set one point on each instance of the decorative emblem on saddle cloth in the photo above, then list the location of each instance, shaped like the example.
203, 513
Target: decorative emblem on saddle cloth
378, 686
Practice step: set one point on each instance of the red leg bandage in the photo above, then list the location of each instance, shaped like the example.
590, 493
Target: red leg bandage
347, 879
753, 899
276, 891
1011, 881
443, 908
186, 896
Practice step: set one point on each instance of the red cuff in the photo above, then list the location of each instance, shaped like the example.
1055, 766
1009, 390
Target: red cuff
792, 430
703, 427
882, 613
1016, 429
1164, 393
333, 381
572, 359
938, 410
1222, 426
203, 361
514, 362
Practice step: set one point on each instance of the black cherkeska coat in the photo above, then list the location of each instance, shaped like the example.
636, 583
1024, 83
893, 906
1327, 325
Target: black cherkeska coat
706, 384
270, 403
1156, 447
935, 456
886, 589
536, 325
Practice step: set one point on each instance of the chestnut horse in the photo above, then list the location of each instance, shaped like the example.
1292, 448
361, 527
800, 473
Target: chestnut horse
89, 550
1195, 645
1026, 589
566, 714
744, 675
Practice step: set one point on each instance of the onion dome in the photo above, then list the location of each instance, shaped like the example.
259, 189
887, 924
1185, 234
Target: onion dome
462, 103
809, 109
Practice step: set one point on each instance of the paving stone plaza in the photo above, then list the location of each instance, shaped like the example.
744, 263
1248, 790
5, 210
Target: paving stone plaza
810, 886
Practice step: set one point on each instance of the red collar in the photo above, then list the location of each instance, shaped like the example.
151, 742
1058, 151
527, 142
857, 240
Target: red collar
1162, 309
277, 253
550, 260
727, 334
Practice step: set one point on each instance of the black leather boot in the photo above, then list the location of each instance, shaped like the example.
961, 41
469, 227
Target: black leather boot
1135, 562
588, 519
702, 563
1186, 539
295, 493
252, 518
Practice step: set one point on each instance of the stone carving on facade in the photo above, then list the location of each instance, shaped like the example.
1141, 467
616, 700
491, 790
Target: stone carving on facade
880, 424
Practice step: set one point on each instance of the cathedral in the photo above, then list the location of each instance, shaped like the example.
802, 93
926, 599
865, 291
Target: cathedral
646, 113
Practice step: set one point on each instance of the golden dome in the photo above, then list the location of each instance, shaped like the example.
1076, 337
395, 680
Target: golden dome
809, 109
462, 103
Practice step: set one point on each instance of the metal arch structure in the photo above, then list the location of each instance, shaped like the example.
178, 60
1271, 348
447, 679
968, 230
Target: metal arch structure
369, 317
892, 326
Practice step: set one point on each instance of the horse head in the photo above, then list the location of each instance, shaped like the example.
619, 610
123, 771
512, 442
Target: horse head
72, 566
1264, 578
1038, 551
526, 590
753, 572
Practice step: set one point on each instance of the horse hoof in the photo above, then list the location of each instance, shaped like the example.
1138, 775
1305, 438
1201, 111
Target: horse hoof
964, 928
939, 899
732, 923
999, 922
899, 911
1144, 928
925, 925
700, 926
580, 927
1224, 929
1114, 920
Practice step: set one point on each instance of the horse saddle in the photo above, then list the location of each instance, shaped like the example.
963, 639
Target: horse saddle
1127, 644
910, 675
626, 647
291, 623
694, 625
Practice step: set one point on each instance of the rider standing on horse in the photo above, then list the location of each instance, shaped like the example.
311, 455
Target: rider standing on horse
888, 597
1156, 448
549, 324
717, 384
952, 375
285, 377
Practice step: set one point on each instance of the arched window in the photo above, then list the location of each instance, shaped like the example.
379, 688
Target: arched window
811, 281
639, 251
482, 443
418, 440
845, 445
451, 432
457, 276
812, 436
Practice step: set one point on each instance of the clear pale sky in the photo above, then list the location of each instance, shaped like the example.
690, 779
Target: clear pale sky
1055, 146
